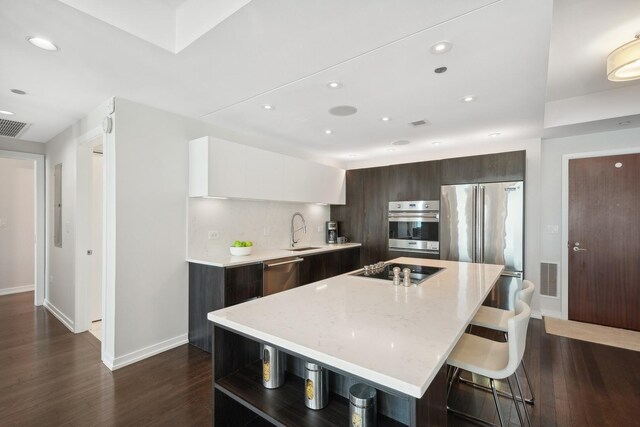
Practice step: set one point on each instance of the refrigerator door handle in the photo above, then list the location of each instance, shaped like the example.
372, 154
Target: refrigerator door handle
481, 223
474, 231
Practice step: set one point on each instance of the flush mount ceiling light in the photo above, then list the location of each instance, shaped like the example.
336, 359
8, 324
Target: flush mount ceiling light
385, 119
43, 43
493, 135
624, 63
401, 142
8, 113
268, 107
334, 85
18, 92
441, 47
468, 98
328, 131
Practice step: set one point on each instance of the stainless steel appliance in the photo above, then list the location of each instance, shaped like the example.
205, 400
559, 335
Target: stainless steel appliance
279, 275
414, 226
332, 232
484, 223
384, 271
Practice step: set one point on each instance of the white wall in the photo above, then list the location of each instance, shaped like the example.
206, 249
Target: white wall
21, 145
550, 207
61, 280
16, 225
247, 220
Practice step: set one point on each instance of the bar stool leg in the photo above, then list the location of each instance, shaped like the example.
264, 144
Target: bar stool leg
523, 405
495, 399
515, 401
526, 375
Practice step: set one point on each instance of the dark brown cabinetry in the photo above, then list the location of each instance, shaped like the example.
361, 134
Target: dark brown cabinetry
212, 288
487, 168
364, 217
328, 264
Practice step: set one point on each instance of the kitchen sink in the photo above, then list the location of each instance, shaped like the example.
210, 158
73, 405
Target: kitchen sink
307, 248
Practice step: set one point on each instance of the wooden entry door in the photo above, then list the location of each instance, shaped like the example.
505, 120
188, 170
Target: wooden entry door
604, 240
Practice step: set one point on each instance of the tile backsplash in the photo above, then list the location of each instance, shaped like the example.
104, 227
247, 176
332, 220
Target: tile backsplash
266, 224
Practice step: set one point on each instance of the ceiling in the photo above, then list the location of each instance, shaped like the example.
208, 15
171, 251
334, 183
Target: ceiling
513, 55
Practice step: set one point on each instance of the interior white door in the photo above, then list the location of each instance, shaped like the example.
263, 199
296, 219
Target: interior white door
96, 238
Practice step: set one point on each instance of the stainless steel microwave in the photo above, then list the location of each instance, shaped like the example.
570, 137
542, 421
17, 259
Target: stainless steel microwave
415, 226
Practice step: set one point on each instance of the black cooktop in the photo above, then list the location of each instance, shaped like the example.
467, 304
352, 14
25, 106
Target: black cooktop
419, 273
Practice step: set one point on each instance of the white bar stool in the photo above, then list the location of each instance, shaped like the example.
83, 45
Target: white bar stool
496, 319
494, 360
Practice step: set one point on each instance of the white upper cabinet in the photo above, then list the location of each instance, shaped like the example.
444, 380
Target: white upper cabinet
221, 168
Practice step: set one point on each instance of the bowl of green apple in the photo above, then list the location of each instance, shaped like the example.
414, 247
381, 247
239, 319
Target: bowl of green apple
240, 248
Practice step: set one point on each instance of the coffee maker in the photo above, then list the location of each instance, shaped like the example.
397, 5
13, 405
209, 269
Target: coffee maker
332, 232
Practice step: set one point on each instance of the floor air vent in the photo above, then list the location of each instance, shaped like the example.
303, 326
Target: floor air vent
548, 279
11, 128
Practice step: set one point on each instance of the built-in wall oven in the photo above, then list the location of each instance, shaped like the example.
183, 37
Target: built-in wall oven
414, 226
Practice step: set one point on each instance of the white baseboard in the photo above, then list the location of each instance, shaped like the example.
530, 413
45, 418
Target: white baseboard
536, 314
16, 290
59, 315
551, 313
143, 353
107, 359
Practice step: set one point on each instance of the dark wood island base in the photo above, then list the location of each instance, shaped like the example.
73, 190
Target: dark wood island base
239, 399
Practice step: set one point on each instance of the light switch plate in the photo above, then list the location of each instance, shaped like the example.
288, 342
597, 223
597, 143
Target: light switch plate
3, 223
553, 229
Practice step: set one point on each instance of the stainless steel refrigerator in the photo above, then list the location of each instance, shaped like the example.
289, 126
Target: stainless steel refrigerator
484, 223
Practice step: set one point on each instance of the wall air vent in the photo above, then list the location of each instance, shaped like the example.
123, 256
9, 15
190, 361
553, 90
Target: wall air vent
548, 279
12, 128
419, 123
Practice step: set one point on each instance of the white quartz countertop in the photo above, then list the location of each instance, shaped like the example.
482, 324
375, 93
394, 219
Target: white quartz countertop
223, 258
391, 335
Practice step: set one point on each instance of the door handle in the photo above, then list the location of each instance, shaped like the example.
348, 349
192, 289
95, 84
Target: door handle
577, 249
283, 263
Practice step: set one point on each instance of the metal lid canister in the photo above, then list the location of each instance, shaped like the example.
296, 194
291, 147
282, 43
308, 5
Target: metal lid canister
362, 406
316, 384
273, 367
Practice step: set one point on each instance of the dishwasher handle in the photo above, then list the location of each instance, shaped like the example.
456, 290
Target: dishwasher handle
266, 265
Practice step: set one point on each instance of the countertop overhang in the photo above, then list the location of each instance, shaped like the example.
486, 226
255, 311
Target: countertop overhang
224, 259
394, 336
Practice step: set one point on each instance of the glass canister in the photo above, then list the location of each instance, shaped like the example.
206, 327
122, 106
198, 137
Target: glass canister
316, 382
273, 367
362, 406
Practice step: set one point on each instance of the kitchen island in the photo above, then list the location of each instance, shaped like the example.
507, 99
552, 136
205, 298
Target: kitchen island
393, 338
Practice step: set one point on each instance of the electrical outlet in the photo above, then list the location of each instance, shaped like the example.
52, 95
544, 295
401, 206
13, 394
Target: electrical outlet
3, 223
266, 231
319, 229
214, 235
553, 229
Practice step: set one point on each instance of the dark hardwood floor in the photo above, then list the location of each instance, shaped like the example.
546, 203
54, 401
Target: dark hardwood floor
52, 377
49, 376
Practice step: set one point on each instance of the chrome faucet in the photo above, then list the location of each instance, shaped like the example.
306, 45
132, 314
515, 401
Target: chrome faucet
293, 232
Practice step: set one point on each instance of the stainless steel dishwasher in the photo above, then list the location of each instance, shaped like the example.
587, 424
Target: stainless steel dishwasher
280, 274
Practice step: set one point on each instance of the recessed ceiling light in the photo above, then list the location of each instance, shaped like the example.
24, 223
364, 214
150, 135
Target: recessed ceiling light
268, 107
18, 92
401, 142
334, 85
8, 113
391, 149
469, 98
42, 43
440, 70
441, 47
353, 155
328, 131
625, 123
436, 143
385, 119
493, 135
